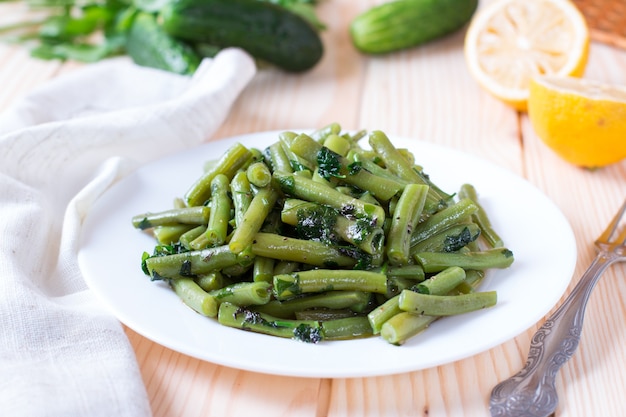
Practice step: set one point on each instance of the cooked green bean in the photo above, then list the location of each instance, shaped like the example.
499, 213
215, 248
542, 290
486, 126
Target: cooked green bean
217, 226
334, 300
189, 236
480, 217
260, 207
242, 318
456, 213
236, 157
309, 252
167, 235
186, 215
338, 144
404, 219
317, 280
403, 326
241, 194
278, 160
448, 240
194, 296
263, 269
443, 282
321, 134
384, 312
213, 280
491, 258
190, 264
403, 168
346, 328
445, 305
259, 174
243, 293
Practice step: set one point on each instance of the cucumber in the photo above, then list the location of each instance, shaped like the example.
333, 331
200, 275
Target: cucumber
268, 32
404, 24
148, 45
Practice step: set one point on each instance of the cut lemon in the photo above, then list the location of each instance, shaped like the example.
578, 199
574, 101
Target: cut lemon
583, 121
509, 41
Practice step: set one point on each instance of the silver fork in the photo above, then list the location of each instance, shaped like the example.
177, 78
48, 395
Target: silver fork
532, 391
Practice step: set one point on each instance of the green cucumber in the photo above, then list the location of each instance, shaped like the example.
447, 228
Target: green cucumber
402, 24
149, 46
268, 32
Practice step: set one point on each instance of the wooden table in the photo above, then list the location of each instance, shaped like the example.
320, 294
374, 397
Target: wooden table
425, 93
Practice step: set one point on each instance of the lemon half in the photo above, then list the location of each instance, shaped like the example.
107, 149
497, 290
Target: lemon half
510, 41
583, 121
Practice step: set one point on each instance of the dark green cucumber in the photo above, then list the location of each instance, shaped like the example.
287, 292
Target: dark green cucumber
402, 24
268, 32
150, 46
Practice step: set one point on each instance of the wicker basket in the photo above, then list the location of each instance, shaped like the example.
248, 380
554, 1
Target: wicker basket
606, 19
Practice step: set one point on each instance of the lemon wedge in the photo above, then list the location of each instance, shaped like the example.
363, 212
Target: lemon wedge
583, 121
510, 41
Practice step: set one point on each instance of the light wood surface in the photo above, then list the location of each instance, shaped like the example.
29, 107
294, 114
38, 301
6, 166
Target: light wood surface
425, 93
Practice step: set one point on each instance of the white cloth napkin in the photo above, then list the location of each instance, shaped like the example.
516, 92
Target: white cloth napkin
61, 353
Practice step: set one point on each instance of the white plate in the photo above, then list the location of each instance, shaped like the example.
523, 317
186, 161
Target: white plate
531, 226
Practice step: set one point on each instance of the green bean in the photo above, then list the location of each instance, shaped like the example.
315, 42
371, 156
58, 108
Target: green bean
438, 261
443, 282
217, 227
200, 242
260, 206
321, 134
449, 240
236, 157
403, 326
481, 218
263, 269
297, 162
402, 167
167, 235
404, 219
337, 144
194, 296
346, 328
384, 312
190, 264
186, 215
472, 280
189, 236
242, 318
259, 174
310, 190
460, 212
243, 293
318, 280
309, 252
210, 281
333, 300
324, 314
241, 193
445, 305
278, 159
285, 267
413, 272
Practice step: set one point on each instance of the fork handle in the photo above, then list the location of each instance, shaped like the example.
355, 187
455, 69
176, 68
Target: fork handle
532, 392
